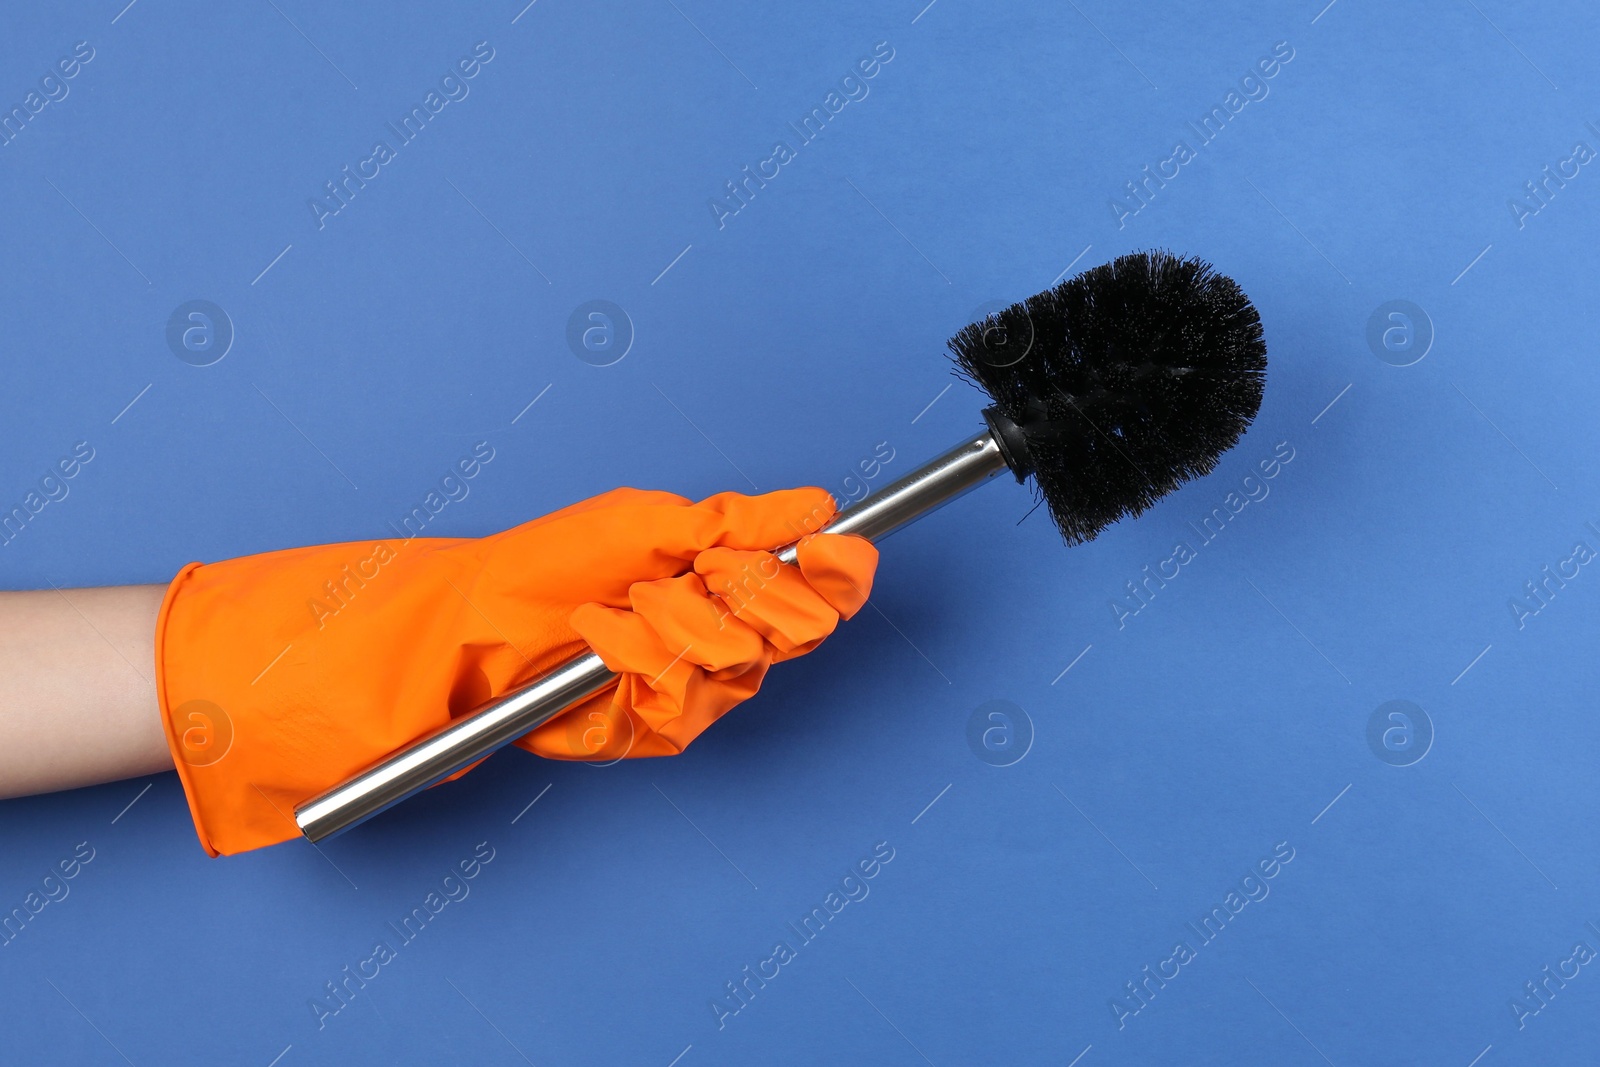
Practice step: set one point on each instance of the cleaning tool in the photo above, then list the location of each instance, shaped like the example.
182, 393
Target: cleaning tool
1109, 391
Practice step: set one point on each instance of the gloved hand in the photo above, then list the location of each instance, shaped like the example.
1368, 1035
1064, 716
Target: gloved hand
280, 675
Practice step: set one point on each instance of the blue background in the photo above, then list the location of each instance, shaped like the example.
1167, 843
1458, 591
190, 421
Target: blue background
1229, 715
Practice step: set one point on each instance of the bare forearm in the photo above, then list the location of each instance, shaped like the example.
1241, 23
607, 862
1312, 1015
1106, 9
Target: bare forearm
78, 705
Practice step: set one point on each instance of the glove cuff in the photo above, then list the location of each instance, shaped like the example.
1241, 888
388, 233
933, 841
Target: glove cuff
174, 731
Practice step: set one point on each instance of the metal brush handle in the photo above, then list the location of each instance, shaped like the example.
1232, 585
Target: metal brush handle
464, 740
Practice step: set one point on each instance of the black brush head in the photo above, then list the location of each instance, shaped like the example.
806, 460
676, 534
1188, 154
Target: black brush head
1118, 385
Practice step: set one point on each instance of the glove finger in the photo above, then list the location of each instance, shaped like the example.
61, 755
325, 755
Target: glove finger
662, 681
710, 697
774, 600
625, 642
686, 617
840, 567
770, 520
660, 686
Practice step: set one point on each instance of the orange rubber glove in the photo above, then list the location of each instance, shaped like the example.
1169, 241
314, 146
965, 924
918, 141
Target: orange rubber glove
282, 674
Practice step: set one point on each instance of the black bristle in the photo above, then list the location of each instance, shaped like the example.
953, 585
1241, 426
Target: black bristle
1125, 381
